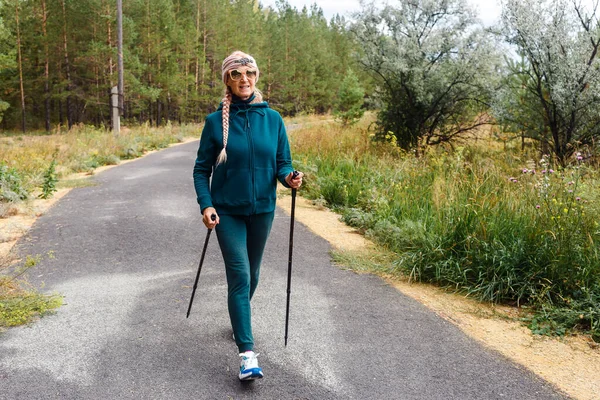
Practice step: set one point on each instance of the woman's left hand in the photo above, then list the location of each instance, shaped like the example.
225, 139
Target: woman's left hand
296, 182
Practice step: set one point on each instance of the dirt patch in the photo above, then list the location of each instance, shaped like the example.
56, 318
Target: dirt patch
571, 364
16, 225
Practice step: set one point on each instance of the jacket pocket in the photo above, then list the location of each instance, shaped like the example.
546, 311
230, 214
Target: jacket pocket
266, 183
236, 189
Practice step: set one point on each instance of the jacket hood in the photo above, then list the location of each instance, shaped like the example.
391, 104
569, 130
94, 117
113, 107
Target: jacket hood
237, 103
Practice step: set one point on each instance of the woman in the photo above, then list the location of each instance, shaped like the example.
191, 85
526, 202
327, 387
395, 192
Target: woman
244, 147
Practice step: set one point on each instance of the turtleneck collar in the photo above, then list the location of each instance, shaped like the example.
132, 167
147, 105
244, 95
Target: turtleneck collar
237, 100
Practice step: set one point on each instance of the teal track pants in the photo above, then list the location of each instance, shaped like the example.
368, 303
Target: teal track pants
242, 240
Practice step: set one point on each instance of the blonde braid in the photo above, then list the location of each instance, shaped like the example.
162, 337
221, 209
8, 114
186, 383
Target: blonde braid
231, 62
225, 112
258, 98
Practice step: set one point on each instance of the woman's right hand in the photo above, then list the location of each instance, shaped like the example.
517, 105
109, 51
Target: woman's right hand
206, 217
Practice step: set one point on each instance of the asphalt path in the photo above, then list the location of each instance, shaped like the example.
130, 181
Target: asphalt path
124, 254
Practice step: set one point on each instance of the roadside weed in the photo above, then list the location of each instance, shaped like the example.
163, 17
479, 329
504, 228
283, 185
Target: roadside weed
498, 224
19, 302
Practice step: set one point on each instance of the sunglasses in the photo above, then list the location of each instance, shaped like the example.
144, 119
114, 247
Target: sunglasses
236, 74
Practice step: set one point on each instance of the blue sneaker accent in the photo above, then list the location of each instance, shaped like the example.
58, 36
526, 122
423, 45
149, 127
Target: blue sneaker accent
249, 369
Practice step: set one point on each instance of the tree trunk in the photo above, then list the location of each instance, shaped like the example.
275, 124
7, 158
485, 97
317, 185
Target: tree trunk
20, 62
197, 77
67, 67
121, 84
46, 67
269, 79
158, 112
60, 113
110, 46
204, 39
168, 107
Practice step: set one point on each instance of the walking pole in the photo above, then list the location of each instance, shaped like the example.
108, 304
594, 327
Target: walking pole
212, 217
289, 277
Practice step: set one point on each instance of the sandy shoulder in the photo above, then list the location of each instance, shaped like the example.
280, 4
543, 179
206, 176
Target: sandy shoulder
571, 364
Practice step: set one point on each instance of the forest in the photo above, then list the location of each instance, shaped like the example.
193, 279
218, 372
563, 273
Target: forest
58, 58
429, 68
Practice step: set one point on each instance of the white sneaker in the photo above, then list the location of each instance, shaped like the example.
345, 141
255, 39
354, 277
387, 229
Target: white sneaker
249, 369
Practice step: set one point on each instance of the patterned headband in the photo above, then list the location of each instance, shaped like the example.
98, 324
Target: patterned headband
235, 60
244, 61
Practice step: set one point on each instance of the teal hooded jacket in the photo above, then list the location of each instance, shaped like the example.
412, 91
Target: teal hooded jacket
258, 154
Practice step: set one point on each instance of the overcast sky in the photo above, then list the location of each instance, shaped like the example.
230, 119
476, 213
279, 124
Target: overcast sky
489, 10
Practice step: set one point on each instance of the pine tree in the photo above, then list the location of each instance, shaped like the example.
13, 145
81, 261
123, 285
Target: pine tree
7, 63
350, 100
172, 53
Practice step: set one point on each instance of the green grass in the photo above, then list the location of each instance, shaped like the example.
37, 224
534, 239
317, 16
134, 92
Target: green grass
19, 303
467, 218
19, 306
475, 219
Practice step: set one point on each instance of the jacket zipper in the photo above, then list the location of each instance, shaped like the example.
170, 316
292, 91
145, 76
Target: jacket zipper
251, 148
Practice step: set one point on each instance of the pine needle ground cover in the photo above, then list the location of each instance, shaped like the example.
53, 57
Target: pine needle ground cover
493, 222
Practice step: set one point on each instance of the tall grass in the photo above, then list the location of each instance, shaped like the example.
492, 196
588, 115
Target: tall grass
498, 224
81, 149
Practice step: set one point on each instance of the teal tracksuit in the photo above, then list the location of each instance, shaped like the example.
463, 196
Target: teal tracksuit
243, 191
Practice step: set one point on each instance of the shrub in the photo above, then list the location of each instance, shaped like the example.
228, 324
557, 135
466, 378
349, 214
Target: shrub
11, 185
